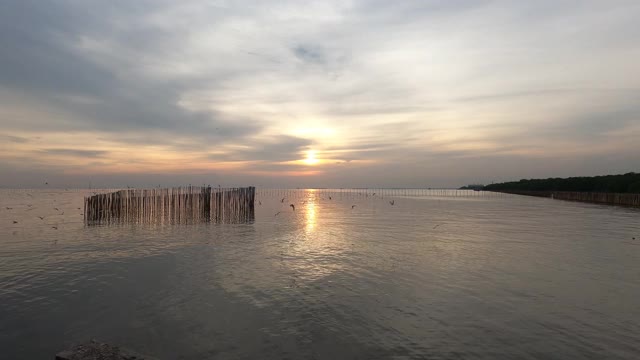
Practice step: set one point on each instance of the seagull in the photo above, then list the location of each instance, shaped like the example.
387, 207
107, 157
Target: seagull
352, 206
278, 213
293, 207
392, 202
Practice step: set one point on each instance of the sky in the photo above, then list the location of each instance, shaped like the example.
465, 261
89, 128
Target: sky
430, 93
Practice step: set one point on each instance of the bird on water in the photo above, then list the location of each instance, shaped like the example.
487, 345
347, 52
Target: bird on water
293, 207
15, 222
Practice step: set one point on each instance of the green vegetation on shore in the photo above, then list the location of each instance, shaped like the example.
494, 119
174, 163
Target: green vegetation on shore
472, 187
627, 183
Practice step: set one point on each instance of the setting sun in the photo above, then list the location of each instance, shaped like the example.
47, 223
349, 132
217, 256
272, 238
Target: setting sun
311, 158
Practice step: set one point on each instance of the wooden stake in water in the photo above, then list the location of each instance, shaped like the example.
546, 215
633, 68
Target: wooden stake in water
185, 205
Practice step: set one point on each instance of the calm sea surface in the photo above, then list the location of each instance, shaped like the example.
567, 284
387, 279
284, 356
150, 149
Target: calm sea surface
434, 276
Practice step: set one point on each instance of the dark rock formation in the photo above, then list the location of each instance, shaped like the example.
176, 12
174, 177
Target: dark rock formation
94, 350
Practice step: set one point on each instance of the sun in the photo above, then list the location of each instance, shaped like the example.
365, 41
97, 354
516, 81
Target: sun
311, 158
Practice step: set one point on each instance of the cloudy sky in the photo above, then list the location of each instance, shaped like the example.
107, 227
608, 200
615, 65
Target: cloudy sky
427, 93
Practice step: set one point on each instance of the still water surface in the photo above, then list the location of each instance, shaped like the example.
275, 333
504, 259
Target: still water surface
435, 277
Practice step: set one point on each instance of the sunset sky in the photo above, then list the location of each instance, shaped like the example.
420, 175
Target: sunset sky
316, 94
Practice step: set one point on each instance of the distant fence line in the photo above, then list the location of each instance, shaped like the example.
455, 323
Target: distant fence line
172, 205
375, 193
591, 197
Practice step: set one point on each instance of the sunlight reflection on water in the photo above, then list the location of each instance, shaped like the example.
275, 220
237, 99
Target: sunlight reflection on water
431, 276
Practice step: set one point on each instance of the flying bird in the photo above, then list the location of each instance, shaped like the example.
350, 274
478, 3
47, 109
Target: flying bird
392, 202
8, 208
437, 225
15, 222
352, 206
56, 209
329, 197
259, 202
278, 213
41, 217
282, 200
293, 207
54, 227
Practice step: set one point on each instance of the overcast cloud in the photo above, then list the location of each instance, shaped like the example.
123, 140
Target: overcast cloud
423, 93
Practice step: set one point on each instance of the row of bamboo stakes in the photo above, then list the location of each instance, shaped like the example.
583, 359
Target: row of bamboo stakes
374, 193
623, 199
178, 205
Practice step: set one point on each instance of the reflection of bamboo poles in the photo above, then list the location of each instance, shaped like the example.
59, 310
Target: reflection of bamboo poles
626, 199
172, 205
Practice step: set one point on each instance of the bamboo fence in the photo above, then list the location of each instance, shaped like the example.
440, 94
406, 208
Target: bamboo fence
178, 205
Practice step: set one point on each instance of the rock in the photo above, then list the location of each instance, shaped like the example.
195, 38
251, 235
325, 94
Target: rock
94, 350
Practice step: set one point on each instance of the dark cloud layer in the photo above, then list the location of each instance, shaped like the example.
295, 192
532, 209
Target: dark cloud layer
40, 57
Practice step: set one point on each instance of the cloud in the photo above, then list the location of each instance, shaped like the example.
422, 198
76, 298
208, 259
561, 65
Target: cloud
75, 152
309, 54
15, 139
277, 149
399, 90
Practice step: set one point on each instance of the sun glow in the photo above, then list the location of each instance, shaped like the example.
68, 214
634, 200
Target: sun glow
311, 158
